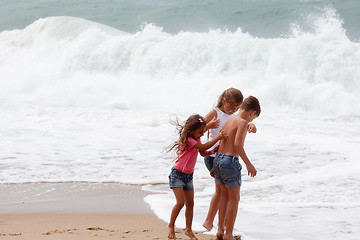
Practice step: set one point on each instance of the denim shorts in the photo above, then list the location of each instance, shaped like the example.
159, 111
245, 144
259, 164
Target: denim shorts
209, 162
180, 179
227, 170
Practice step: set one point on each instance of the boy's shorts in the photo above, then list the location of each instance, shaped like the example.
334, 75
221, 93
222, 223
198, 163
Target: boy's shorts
227, 170
180, 179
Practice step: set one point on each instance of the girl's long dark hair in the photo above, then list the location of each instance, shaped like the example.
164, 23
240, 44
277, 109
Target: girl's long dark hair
194, 122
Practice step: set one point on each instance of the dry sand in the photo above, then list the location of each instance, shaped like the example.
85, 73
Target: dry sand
79, 211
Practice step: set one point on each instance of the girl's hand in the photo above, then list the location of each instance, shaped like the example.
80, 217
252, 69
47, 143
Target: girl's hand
214, 150
222, 134
251, 128
212, 173
213, 123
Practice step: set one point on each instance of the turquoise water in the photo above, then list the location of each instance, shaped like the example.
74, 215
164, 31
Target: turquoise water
262, 18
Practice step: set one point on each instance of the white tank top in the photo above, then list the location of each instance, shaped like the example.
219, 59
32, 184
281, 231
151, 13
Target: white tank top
215, 131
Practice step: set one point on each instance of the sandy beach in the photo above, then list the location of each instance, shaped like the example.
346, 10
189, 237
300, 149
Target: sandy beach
79, 211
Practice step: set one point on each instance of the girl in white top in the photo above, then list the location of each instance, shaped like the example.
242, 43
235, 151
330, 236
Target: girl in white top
228, 104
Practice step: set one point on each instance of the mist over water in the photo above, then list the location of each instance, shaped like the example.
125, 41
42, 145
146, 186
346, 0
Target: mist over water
89, 100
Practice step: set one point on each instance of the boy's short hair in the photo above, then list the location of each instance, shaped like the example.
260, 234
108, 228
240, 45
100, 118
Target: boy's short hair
251, 103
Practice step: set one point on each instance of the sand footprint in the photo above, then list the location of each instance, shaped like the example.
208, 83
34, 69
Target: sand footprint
99, 229
10, 234
69, 231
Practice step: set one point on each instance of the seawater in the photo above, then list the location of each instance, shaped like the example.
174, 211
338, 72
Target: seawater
87, 93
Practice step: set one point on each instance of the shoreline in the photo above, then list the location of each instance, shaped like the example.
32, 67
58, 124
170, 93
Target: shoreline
79, 210
72, 197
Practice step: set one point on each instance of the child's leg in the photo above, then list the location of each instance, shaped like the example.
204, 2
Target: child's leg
233, 203
223, 208
214, 206
189, 212
180, 200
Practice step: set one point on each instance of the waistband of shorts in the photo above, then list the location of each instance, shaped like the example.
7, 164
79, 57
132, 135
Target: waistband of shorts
186, 174
222, 155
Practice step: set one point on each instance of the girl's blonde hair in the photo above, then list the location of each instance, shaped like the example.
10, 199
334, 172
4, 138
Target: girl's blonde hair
231, 95
194, 122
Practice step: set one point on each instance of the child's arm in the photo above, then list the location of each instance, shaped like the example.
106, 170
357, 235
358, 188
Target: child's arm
209, 144
211, 121
205, 153
239, 146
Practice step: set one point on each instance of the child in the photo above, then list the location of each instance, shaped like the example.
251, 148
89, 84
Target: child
227, 168
229, 102
180, 179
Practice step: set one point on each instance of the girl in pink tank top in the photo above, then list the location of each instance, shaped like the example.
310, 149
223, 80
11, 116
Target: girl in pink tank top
180, 179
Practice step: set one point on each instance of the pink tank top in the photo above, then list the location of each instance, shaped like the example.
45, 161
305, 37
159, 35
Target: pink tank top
186, 160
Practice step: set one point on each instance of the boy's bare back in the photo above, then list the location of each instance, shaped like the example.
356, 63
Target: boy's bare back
236, 129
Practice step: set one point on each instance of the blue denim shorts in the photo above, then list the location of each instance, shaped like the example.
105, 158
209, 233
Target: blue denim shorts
227, 170
180, 179
209, 162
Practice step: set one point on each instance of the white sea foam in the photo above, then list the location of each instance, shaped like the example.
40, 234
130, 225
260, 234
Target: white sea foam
310, 71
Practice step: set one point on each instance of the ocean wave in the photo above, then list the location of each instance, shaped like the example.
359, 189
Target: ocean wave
65, 60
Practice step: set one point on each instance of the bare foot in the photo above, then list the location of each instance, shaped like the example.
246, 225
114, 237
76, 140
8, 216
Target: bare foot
171, 234
219, 235
207, 225
190, 234
228, 237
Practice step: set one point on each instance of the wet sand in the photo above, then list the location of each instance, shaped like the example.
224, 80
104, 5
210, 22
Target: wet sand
79, 211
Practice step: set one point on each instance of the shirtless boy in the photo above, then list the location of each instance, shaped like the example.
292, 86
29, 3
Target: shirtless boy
227, 168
